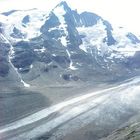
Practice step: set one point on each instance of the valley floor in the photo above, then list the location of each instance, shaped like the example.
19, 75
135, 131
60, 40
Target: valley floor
76, 113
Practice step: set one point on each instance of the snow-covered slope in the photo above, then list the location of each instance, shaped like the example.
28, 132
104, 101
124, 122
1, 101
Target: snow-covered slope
94, 37
60, 12
26, 24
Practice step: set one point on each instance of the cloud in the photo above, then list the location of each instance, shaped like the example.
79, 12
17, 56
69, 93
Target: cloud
26, 4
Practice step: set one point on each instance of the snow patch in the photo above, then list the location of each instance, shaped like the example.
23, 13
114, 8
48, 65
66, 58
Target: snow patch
124, 46
43, 49
63, 41
83, 47
31, 66
52, 29
60, 12
25, 84
71, 62
93, 36
54, 55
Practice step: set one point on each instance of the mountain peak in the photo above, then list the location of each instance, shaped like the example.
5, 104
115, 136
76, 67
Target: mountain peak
64, 5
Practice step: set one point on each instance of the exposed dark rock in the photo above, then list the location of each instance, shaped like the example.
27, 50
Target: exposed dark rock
23, 59
24, 70
66, 77
17, 33
50, 23
133, 38
133, 62
70, 77
75, 78
4, 68
4, 64
89, 19
9, 12
1, 28
61, 60
26, 19
54, 66
109, 39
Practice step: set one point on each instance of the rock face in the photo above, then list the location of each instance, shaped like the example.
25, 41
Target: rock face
66, 46
131, 132
8, 73
4, 49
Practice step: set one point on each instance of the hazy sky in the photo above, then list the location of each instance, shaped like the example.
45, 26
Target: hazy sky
119, 12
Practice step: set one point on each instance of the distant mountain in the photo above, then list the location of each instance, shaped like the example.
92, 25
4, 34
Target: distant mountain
64, 46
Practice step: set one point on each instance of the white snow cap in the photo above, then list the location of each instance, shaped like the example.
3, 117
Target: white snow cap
111, 13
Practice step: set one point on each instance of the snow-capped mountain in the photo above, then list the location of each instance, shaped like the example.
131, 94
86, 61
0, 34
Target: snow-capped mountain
64, 45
